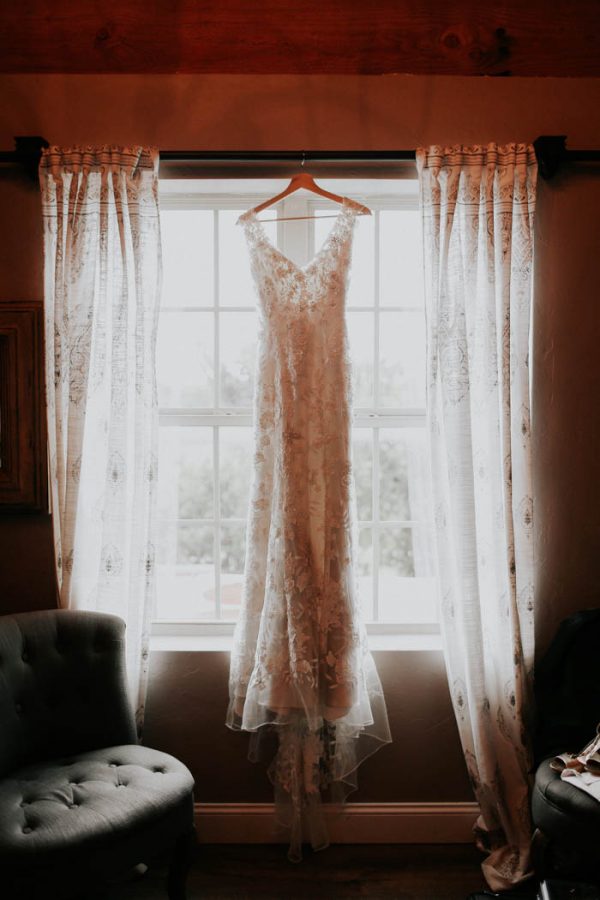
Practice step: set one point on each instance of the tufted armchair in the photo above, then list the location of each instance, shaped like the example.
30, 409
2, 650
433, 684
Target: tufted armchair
81, 802
567, 688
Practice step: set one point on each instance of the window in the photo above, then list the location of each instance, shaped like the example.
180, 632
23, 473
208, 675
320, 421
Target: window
206, 351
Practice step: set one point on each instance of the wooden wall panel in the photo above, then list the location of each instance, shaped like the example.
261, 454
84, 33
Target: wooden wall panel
425, 37
23, 476
27, 570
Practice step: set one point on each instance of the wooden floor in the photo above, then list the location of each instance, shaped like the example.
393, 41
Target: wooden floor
405, 872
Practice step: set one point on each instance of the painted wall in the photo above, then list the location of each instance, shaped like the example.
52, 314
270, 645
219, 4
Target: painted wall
566, 399
187, 697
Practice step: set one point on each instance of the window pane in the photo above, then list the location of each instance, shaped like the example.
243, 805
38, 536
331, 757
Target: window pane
233, 552
238, 353
396, 551
393, 475
361, 288
400, 258
364, 571
235, 471
362, 467
360, 327
236, 287
235, 280
188, 253
185, 473
407, 587
402, 359
405, 475
324, 221
185, 571
185, 360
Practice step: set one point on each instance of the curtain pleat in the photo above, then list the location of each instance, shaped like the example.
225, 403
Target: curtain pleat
478, 207
102, 277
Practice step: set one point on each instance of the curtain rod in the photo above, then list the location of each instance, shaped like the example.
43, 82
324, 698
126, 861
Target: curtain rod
551, 152
287, 155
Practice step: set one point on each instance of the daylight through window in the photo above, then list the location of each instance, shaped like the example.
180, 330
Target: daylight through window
206, 350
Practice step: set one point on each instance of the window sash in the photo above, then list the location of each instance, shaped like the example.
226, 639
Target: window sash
296, 240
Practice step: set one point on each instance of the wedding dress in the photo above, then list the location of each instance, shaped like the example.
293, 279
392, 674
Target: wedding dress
300, 661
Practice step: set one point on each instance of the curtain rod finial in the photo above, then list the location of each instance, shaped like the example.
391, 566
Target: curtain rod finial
28, 150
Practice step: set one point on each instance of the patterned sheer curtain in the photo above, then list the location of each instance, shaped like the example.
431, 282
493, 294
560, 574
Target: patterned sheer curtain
478, 206
101, 290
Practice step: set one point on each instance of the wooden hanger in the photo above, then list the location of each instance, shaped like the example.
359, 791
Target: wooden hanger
306, 181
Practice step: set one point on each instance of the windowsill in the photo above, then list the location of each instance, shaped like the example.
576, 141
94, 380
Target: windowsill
172, 637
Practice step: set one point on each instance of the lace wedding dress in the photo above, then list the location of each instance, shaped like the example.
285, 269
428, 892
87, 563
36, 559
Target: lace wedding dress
300, 662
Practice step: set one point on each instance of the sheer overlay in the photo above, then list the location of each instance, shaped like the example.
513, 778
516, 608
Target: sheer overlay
478, 208
102, 280
300, 662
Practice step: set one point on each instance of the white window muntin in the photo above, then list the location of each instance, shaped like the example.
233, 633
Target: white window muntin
298, 243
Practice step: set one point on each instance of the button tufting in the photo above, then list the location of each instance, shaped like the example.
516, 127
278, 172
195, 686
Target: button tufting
73, 805
24, 803
160, 771
27, 830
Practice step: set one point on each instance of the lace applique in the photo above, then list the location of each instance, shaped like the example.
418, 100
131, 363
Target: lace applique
300, 661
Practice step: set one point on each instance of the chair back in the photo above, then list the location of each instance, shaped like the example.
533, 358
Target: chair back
62, 686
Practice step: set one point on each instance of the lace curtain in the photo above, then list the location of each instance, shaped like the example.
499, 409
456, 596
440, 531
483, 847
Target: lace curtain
478, 206
101, 289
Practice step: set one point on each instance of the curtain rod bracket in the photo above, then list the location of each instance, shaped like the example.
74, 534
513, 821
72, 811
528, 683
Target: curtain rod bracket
551, 152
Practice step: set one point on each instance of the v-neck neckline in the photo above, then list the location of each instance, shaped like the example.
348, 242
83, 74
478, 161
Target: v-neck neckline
252, 219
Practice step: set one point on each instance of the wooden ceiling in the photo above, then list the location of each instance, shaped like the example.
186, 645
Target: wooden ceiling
344, 37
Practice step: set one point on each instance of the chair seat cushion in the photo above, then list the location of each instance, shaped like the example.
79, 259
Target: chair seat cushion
87, 801
563, 811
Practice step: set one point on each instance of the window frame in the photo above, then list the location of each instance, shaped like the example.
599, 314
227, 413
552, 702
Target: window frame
209, 634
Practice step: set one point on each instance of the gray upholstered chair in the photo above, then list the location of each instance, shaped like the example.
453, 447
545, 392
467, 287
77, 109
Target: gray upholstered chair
81, 802
567, 688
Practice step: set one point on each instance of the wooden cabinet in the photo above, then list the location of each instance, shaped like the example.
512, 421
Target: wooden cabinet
23, 470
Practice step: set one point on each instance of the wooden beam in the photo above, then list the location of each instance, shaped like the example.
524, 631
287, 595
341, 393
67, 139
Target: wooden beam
371, 37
